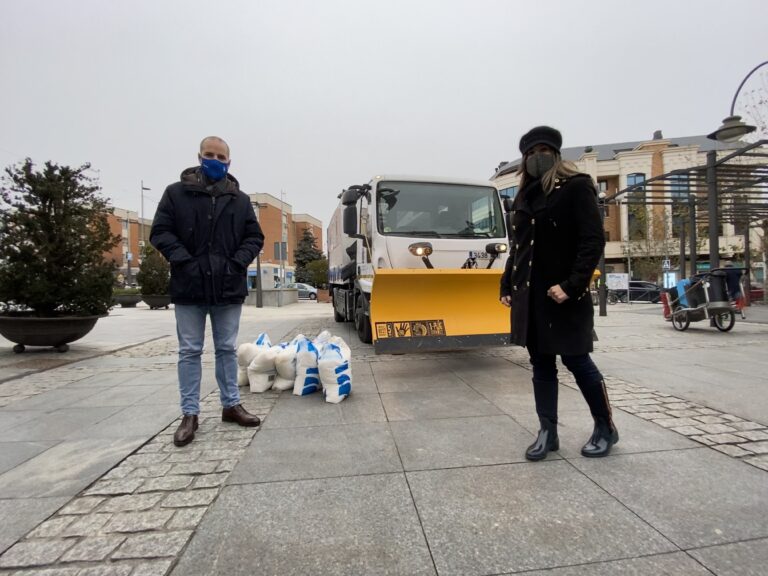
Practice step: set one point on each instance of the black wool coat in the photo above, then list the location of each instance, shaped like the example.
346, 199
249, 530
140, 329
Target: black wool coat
209, 233
556, 239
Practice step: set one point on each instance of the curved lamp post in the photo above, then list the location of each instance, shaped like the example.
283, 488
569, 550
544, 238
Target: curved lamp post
733, 128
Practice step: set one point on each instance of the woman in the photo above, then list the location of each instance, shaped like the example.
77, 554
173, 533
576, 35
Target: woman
557, 238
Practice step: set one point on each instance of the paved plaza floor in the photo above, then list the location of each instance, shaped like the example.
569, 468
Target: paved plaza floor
420, 471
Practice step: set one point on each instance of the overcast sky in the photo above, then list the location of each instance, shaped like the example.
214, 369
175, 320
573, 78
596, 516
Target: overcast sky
315, 95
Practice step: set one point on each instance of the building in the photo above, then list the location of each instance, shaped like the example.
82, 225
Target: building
616, 167
282, 230
133, 232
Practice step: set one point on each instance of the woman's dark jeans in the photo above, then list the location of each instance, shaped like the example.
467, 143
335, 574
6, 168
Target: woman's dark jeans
587, 376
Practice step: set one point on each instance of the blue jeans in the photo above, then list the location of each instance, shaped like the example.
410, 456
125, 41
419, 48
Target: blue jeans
588, 378
190, 327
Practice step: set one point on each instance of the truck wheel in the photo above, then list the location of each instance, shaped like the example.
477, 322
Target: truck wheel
362, 323
336, 315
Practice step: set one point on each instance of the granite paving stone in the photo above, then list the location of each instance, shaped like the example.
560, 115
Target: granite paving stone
746, 426
314, 453
758, 461
500, 510
133, 502
92, 549
70, 571
189, 498
154, 568
754, 435
26, 515
436, 403
37, 552
87, 525
138, 521
65, 469
715, 428
296, 412
723, 438
363, 525
52, 527
708, 497
153, 471
210, 480
455, 442
194, 468
756, 447
14, 453
165, 483
187, 518
731, 450
676, 564
737, 559
107, 570
153, 545
114, 487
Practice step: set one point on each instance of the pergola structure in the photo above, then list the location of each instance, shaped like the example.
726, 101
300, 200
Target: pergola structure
733, 189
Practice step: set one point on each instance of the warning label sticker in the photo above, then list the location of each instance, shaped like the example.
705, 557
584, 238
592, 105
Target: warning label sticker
410, 329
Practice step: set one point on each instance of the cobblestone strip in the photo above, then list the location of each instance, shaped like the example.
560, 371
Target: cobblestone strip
136, 519
726, 433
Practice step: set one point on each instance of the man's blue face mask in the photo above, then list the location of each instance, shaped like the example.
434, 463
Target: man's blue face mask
214, 169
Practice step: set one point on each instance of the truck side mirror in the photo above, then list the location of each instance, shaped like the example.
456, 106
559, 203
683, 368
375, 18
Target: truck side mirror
508, 204
349, 197
350, 220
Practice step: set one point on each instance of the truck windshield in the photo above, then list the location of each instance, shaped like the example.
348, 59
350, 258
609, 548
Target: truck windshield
438, 210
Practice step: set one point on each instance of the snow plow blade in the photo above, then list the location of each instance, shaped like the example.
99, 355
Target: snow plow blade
437, 309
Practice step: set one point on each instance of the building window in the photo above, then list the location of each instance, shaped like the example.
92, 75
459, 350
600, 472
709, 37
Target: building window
282, 256
678, 191
637, 215
510, 192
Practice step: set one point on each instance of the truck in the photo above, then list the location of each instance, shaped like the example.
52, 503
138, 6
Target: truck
416, 262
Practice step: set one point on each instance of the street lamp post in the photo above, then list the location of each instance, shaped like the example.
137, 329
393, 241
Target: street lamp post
143, 189
602, 293
733, 128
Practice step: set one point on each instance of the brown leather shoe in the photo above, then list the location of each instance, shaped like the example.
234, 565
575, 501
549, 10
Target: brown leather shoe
239, 415
185, 433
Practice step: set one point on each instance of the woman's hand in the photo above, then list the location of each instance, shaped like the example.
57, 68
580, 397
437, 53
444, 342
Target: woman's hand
557, 294
506, 300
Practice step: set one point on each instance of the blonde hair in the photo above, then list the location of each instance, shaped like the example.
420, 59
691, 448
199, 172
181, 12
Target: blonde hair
560, 169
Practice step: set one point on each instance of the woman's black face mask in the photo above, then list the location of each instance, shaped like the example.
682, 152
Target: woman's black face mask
539, 164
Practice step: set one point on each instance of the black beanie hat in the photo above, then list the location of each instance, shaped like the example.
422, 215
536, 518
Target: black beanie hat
541, 135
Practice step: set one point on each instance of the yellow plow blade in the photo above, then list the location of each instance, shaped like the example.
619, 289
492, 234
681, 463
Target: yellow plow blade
438, 309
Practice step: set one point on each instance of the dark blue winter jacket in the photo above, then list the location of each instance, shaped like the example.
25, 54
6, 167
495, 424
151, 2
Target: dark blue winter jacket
209, 233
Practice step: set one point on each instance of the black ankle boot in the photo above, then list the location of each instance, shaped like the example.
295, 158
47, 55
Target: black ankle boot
546, 441
603, 437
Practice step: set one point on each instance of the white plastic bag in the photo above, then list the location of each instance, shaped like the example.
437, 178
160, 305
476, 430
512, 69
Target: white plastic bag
321, 341
245, 353
307, 376
335, 373
285, 364
261, 370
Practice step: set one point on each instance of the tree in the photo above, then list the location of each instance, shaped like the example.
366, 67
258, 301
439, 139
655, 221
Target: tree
306, 252
154, 272
55, 235
318, 272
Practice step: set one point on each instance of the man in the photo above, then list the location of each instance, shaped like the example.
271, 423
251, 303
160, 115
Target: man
207, 229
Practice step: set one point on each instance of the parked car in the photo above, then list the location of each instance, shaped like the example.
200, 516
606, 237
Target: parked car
756, 293
639, 291
305, 290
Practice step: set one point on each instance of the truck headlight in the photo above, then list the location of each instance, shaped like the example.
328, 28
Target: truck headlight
420, 249
494, 249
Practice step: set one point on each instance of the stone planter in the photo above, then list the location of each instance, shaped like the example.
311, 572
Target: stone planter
156, 301
55, 332
323, 295
126, 300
